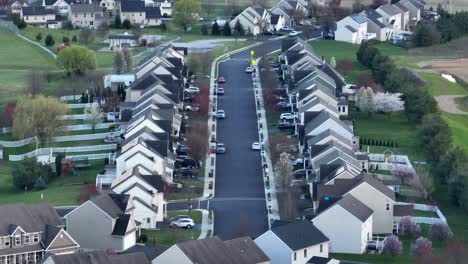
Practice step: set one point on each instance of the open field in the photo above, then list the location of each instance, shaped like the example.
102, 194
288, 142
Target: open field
58, 192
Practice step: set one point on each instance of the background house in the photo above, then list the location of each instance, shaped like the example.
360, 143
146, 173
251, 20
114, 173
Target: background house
87, 15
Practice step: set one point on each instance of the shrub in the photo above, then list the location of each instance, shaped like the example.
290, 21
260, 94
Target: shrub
143, 238
440, 231
49, 40
66, 40
74, 39
39, 36
393, 246
126, 24
423, 247
408, 227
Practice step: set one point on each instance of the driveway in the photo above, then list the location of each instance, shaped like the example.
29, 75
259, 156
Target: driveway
204, 45
447, 104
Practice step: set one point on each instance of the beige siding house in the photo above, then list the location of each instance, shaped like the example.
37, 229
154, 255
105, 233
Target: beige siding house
38, 15
86, 15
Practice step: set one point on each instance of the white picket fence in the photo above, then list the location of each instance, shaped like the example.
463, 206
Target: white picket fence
74, 117
426, 208
76, 106
84, 127
48, 151
70, 97
20, 143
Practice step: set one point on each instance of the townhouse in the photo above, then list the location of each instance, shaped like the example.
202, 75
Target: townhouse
28, 233
381, 23
15, 7
111, 216
39, 16
87, 15
142, 13
62, 7
254, 19
287, 9
97, 257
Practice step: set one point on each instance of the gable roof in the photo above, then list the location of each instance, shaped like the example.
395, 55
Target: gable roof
390, 9
121, 225
98, 257
30, 217
85, 8
151, 252
355, 207
245, 249
37, 11
207, 251
299, 235
401, 6
327, 133
359, 18
50, 234
132, 6
153, 12
111, 203
322, 117
274, 19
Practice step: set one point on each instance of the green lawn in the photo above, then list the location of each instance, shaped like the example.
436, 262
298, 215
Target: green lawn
394, 127
57, 191
462, 103
459, 127
172, 236
440, 86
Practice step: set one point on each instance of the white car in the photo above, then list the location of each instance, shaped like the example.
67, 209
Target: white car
293, 33
298, 161
256, 146
287, 116
183, 223
249, 69
287, 29
220, 114
192, 90
220, 91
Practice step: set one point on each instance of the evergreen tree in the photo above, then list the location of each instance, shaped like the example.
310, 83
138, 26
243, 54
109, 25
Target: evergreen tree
117, 21
204, 29
215, 29
226, 29
238, 29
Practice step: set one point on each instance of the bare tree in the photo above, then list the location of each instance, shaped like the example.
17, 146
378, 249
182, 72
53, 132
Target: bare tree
94, 115
278, 144
197, 139
403, 172
119, 62
86, 36
296, 15
36, 82
422, 181
103, 30
112, 102
127, 54
283, 171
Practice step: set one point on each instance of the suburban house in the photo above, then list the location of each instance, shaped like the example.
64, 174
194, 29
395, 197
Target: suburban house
375, 24
153, 16
293, 243
346, 221
111, 216
405, 17
165, 7
38, 16
61, 6
213, 250
277, 22
392, 18
16, 6
353, 29
288, 8
87, 15
29, 232
147, 193
254, 20
124, 40
371, 192
415, 8
97, 257
134, 11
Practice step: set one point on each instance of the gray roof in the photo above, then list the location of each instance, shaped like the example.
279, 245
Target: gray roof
390, 10
315, 139
319, 260
315, 101
30, 217
99, 257
321, 118
359, 18
151, 252
350, 28
112, 204
37, 11
401, 6
207, 251
245, 249
355, 207
85, 8
300, 235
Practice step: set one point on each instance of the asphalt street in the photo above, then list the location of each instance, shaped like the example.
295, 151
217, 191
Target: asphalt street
238, 171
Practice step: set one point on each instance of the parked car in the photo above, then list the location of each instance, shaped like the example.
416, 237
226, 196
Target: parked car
256, 146
287, 29
192, 90
220, 148
283, 106
220, 114
300, 174
221, 80
182, 150
293, 33
298, 162
185, 173
287, 116
219, 91
186, 161
183, 223
275, 64
249, 69
285, 125
267, 33
177, 217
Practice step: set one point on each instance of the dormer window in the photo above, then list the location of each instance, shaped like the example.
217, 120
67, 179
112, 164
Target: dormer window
27, 239
35, 237
18, 240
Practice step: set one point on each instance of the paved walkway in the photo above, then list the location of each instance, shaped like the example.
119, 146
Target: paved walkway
447, 104
37, 44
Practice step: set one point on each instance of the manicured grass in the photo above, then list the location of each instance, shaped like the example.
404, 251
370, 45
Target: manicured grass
440, 86
11, 86
394, 127
57, 191
425, 213
459, 127
16, 53
462, 103
174, 235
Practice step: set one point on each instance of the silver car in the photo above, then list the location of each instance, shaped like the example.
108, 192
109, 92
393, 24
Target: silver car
183, 223
220, 148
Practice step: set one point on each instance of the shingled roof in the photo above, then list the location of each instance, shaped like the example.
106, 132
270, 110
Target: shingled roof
300, 235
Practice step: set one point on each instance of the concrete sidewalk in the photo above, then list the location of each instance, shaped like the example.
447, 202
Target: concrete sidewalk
206, 225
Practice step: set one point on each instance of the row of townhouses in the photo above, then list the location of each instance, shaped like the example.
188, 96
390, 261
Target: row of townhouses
381, 23
340, 188
256, 19
92, 14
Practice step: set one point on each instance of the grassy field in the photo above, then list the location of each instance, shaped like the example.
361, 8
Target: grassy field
462, 103
58, 192
440, 86
459, 126
174, 235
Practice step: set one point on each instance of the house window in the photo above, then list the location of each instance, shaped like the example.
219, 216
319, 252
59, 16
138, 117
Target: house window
6, 242
148, 220
38, 256
36, 237
339, 108
321, 248
295, 256
305, 253
387, 206
368, 236
92, 14
17, 240
91, 23
8, 260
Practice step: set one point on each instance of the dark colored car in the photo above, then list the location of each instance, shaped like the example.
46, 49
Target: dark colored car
185, 173
282, 106
285, 125
182, 150
186, 162
267, 33
300, 174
